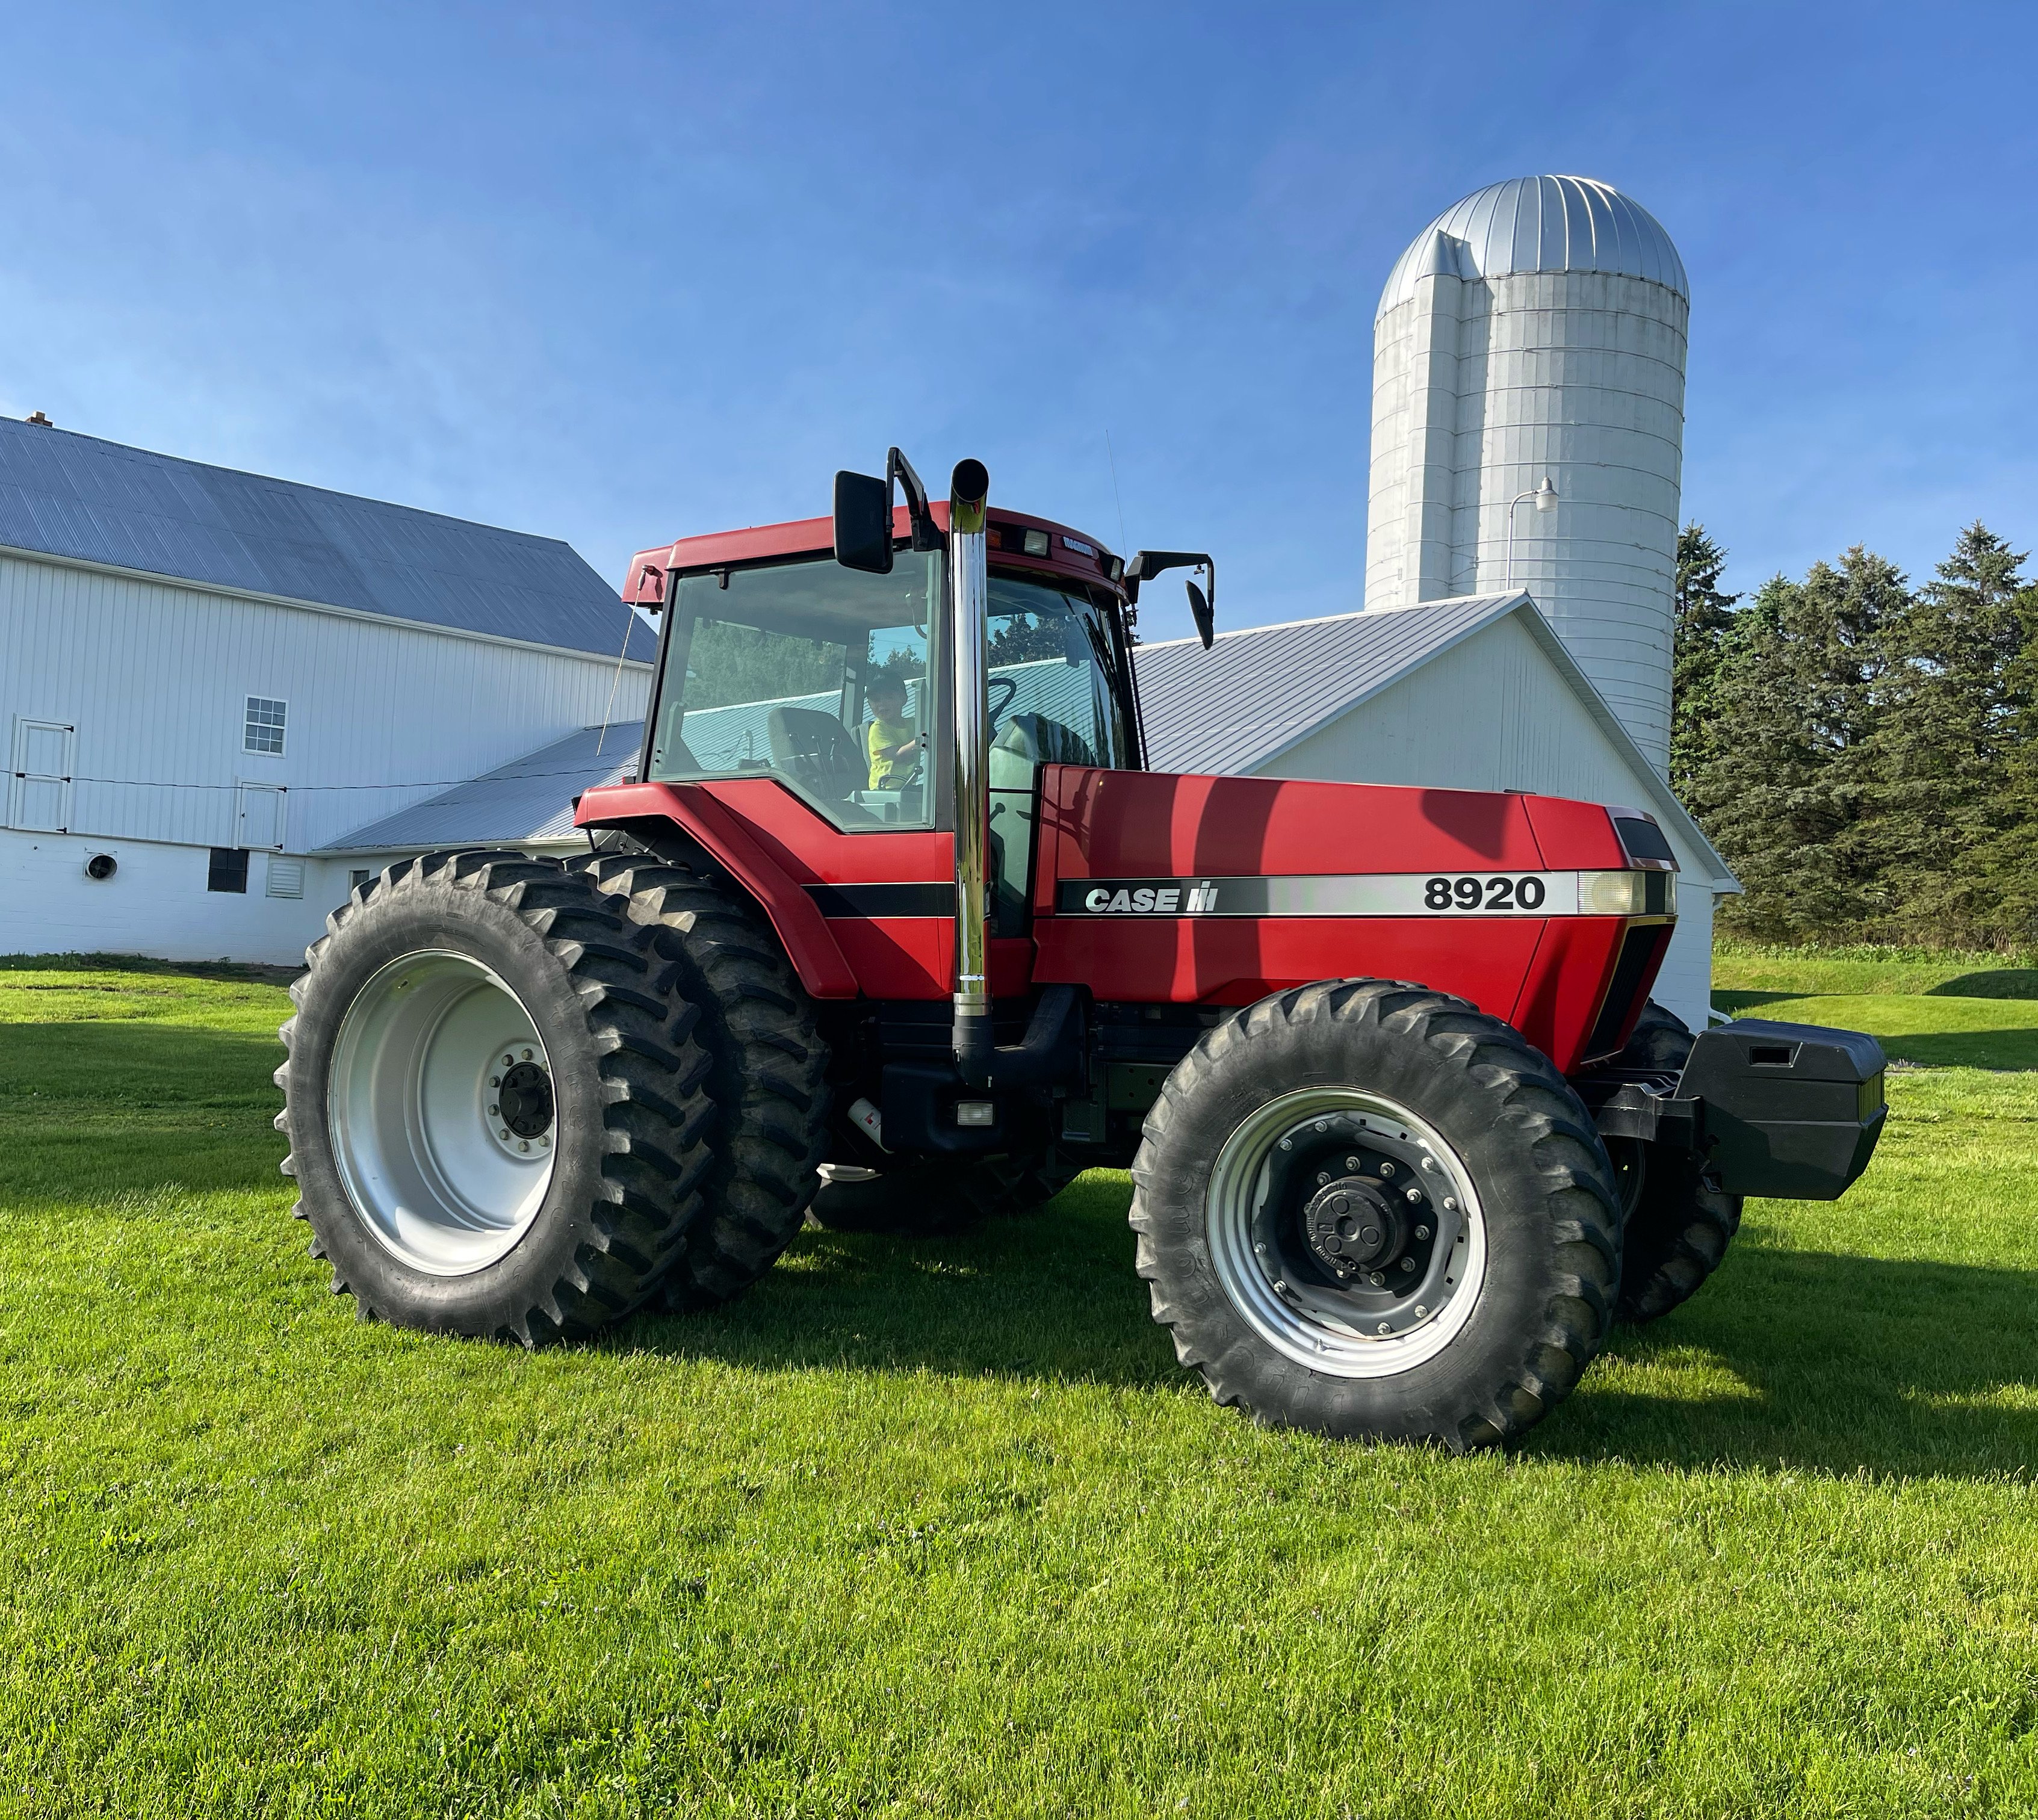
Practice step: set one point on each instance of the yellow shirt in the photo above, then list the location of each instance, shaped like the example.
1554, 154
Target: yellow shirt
880, 740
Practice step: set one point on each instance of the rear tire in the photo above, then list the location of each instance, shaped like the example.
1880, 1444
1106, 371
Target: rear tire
1455, 1145
494, 1100
1680, 1223
945, 1193
768, 1070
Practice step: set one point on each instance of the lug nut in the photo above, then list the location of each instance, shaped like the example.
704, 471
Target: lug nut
1415, 1194
1377, 1280
1428, 1163
509, 1061
1351, 1163
524, 1144
1408, 1263
1387, 1327
544, 1144
1261, 1250
1420, 1309
527, 1055
1421, 1231
1323, 1179
1287, 1144
496, 1080
1387, 1169
1450, 1204
505, 1138
495, 1112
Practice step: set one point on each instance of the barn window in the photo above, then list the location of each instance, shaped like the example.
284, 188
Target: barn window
263, 729
227, 871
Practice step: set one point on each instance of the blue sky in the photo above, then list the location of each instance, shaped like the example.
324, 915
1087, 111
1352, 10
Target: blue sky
619, 273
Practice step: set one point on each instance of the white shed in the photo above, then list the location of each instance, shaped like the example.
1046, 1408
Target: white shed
208, 677
1476, 694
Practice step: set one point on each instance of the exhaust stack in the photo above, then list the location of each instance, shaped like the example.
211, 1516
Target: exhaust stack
969, 585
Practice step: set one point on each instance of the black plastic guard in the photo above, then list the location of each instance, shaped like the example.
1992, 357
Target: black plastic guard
1792, 1110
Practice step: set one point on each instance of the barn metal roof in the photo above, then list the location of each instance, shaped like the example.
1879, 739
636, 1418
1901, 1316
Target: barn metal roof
69, 496
1255, 693
1538, 225
530, 800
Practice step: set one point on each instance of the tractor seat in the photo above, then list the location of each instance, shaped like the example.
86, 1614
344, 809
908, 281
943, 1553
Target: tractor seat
1041, 741
817, 752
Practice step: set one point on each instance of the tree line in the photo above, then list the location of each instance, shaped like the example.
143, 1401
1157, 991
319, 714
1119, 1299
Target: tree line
1863, 752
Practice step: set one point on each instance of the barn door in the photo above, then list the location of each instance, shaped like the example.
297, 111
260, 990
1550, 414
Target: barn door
39, 793
259, 819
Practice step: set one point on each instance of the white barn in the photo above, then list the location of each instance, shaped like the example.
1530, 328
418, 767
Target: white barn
208, 679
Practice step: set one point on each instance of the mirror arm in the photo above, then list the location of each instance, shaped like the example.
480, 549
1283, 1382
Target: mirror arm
897, 468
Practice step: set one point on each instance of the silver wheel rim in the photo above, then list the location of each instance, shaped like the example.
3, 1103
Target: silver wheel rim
1344, 1332
444, 1167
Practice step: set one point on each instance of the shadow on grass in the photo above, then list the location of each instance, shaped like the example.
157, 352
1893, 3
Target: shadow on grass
1832, 1364
1998, 982
1735, 1003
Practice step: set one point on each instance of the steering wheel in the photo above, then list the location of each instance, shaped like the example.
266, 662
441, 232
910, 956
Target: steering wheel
1010, 686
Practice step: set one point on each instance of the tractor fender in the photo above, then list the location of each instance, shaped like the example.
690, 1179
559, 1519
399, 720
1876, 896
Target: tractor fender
682, 826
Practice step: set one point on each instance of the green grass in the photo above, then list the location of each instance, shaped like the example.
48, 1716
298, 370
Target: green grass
1933, 1009
938, 1527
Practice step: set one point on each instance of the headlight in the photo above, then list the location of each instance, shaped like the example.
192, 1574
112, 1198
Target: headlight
1612, 894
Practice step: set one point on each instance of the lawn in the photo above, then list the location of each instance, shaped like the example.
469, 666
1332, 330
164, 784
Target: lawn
938, 1527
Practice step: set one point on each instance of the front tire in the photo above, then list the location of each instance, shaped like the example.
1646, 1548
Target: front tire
1369, 1210
494, 1102
1679, 1222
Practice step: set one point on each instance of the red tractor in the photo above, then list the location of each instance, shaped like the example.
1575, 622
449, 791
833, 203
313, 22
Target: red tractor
894, 931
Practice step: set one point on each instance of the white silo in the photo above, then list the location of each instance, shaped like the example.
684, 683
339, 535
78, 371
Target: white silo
1538, 327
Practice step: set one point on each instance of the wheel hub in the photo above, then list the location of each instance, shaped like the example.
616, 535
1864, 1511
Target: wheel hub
526, 1100
1352, 1227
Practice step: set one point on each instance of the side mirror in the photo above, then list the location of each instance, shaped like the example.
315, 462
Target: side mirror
1203, 601
863, 516
863, 522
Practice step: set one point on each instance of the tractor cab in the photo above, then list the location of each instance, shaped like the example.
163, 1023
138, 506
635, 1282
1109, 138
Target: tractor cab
777, 661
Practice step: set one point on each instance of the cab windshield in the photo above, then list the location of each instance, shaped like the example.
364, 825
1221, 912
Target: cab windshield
835, 683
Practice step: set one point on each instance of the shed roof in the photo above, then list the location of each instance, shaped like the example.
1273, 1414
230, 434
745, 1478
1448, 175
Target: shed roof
1259, 692
81, 498
530, 799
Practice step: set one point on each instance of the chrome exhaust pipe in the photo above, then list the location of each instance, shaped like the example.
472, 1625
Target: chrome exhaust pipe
969, 583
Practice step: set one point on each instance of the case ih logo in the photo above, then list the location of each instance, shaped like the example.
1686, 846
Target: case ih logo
1147, 897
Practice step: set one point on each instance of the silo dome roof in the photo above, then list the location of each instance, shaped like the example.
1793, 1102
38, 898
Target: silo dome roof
1539, 224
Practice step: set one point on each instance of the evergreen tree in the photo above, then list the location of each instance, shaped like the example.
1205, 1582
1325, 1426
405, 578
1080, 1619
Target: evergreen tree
1788, 769
1704, 618
1950, 707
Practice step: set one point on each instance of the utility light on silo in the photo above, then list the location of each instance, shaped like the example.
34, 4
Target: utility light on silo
1545, 496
